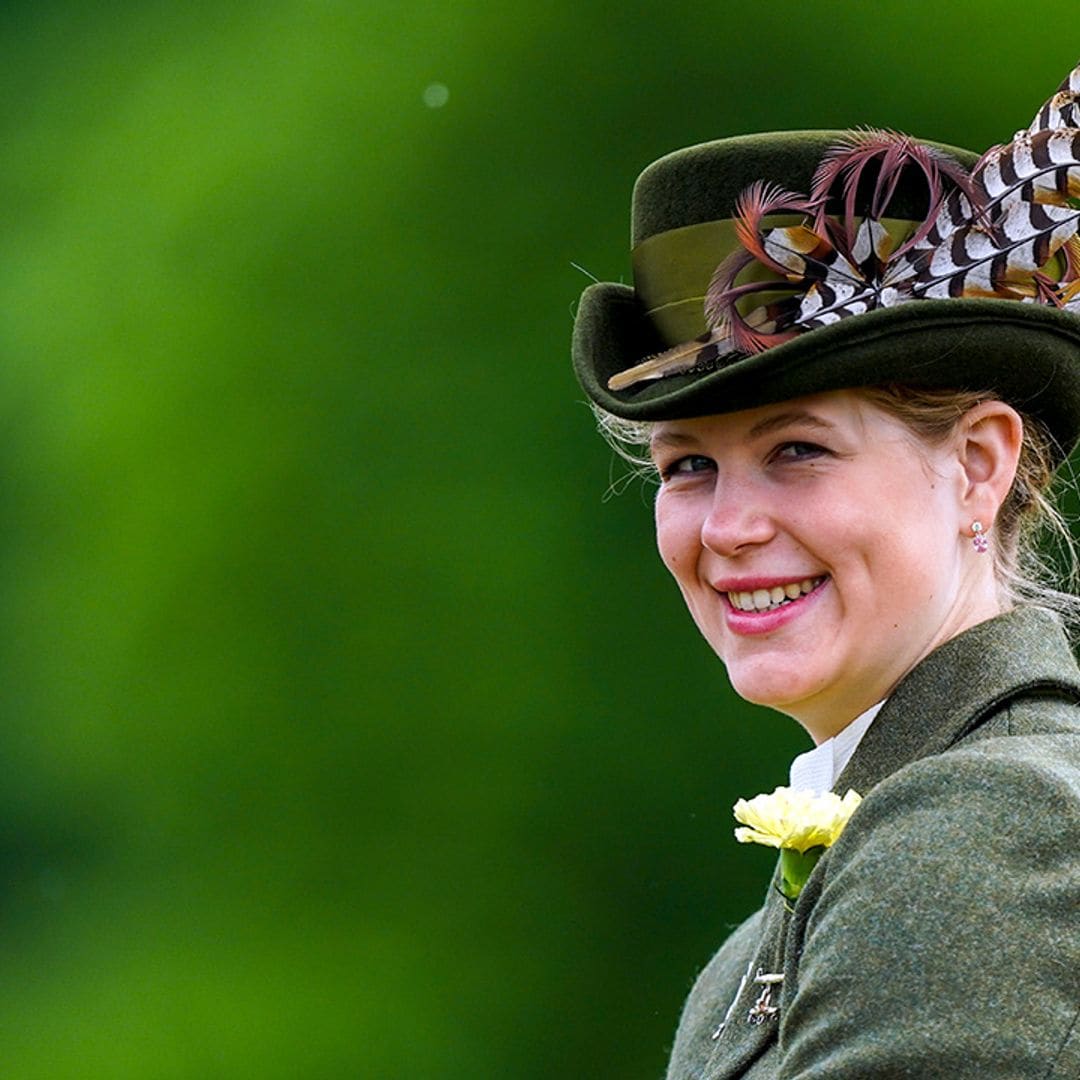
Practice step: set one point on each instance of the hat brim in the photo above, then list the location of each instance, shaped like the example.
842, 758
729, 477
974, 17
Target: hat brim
1029, 354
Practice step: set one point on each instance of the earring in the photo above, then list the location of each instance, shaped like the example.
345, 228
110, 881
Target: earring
978, 539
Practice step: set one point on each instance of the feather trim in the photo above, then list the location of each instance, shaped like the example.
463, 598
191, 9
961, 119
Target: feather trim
992, 233
704, 353
1062, 110
890, 151
758, 200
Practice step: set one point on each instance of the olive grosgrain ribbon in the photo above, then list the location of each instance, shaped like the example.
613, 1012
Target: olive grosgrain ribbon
672, 270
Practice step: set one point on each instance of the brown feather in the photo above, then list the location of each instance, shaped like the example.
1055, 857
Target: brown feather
702, 351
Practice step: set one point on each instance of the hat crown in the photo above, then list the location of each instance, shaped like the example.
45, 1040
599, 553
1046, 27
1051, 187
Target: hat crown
823, 260
702, 183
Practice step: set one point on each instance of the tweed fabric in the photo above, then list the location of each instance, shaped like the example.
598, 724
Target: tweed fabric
940, 936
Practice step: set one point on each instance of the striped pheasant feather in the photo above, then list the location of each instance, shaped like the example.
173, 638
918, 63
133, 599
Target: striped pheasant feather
1009, 230
1031, 189
1062, 110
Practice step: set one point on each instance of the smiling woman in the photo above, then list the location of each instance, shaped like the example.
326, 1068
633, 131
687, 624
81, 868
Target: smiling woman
854, 402
783, 498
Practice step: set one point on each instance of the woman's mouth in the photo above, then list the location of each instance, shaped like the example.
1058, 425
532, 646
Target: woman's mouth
773, 598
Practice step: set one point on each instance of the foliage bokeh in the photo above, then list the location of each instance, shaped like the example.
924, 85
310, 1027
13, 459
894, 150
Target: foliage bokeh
348, 729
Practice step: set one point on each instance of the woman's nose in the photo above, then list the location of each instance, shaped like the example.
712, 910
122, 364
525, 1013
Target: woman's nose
735, 522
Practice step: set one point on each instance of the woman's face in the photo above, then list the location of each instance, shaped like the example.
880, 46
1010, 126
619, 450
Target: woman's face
821, 548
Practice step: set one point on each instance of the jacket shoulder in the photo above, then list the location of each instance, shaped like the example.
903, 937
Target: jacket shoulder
1030, 715
941, 935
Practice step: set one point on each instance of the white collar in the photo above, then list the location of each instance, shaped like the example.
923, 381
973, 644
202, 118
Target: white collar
818, 769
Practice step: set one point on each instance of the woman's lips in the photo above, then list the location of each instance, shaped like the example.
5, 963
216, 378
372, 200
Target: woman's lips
744, 616
768, 599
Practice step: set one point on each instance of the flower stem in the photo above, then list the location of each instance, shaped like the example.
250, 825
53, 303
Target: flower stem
795, 868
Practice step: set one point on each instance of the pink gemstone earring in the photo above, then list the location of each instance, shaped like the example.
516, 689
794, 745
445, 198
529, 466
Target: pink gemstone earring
978, 539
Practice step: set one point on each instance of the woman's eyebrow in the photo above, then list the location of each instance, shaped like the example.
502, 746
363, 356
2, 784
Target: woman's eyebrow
785, 419
672, 438
762, 427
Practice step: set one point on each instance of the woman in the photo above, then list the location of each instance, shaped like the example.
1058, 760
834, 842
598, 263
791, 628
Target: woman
854, 410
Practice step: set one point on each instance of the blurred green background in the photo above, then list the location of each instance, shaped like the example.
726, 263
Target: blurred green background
347, 729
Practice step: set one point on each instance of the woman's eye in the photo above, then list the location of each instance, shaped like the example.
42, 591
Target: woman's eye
798, 451
685, 466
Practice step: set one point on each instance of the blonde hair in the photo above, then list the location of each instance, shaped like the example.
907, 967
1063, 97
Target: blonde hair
1035, 558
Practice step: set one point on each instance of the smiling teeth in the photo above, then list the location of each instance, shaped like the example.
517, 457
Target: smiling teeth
777, 596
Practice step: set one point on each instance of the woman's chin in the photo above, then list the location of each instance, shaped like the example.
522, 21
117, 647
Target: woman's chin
775, 689
770, 696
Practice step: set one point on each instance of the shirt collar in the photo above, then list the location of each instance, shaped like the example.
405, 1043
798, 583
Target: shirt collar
817, 770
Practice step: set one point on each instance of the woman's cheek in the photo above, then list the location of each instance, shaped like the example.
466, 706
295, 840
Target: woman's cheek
671, 544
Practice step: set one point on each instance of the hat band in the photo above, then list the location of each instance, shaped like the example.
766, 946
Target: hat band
672, 270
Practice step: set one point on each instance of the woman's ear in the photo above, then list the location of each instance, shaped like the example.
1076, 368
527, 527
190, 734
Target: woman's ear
989, 439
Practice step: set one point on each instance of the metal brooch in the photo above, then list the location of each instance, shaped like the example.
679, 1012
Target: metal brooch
763, 1009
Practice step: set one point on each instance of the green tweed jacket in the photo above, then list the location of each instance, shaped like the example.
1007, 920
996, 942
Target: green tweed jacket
940, 935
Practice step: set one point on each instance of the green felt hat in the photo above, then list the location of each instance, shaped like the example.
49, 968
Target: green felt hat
682, 228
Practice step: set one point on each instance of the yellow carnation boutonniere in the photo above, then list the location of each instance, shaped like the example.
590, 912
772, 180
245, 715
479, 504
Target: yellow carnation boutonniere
800, 823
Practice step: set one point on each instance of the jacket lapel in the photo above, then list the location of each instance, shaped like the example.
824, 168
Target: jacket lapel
958, 686
946, 696
744, 1034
